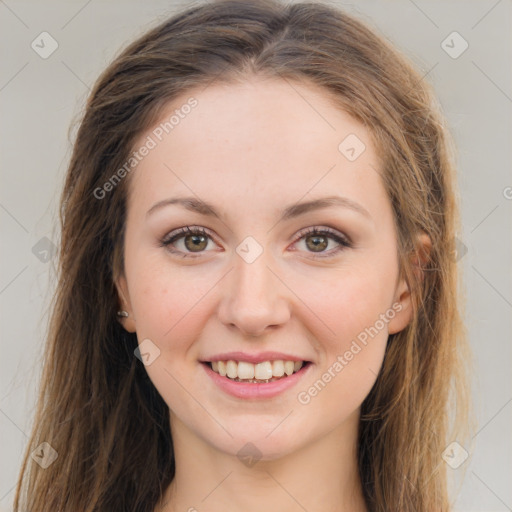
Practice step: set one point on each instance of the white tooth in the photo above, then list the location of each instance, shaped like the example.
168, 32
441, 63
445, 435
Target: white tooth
288, 367
297, 365
278, 368
222, 368
232, 369
245, 370
263, 371
215, 366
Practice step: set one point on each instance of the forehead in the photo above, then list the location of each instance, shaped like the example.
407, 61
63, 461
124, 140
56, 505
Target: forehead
255, 139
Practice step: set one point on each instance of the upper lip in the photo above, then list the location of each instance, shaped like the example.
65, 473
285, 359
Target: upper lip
253, 358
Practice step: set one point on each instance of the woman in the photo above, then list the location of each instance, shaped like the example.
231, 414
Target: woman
257, 305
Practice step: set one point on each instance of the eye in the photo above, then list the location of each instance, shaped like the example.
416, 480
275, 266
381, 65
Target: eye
316, 240
191, 239
187, 240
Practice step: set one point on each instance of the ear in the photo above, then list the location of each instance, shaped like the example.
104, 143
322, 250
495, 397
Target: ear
124, 299
418, 259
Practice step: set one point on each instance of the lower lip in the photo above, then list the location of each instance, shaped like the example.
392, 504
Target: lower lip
254, 390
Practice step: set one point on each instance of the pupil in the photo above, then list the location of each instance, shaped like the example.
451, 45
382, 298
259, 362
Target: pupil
197, 240
319, 242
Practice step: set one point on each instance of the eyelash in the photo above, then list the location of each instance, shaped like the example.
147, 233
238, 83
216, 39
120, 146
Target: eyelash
344, 243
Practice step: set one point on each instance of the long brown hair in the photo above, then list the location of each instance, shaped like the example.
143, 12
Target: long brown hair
97, 407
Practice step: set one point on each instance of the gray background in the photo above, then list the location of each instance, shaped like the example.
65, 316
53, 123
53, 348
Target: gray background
40, 97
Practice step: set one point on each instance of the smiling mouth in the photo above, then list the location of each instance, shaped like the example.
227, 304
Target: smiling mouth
260, 373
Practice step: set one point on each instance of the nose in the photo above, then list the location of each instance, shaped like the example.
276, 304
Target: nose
253, 300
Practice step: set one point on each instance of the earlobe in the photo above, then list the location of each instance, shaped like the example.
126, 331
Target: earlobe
402, 307
418, 260
124, 314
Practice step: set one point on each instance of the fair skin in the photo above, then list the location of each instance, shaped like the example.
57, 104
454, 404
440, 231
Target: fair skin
250, 150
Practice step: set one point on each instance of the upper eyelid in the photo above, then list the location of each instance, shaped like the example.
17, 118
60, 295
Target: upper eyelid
186, 230
330, 232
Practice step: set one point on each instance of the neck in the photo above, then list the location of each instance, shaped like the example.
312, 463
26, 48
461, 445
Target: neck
322, 476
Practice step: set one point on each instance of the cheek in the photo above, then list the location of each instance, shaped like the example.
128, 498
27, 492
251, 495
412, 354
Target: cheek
354, 308
352, 357
347, 302
168, 301
171, 309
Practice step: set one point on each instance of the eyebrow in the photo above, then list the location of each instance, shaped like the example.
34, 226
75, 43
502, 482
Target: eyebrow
203, 208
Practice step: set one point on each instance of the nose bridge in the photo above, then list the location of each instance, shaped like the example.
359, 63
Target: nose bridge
253, 299
251, 281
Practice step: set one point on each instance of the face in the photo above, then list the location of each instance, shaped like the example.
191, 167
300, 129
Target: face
264, 272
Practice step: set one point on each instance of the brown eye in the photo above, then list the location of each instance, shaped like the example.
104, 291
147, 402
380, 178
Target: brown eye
187, 240
316, 243
322, 242
195, 243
